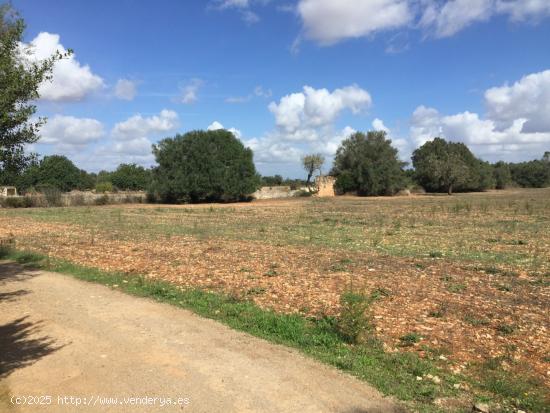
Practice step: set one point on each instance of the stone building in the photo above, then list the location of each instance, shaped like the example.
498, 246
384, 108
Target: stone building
8, 191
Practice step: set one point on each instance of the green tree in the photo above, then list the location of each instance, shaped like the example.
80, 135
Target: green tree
59, 172
311, 163
20, 78
369, 165
203, 166
131, 177
442, 166
502, 175
531, 174
275, 180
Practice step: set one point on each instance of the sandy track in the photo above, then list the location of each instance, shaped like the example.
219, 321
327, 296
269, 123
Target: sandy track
63, 337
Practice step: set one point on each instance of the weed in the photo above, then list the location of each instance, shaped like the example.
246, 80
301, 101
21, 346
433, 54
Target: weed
272, 272
475, 321
409, 339
505, 329
456, 287
439, 312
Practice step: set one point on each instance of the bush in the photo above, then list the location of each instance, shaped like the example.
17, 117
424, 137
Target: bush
211, 166
354, 320
102, 187
302, 193
53, 196
16, 202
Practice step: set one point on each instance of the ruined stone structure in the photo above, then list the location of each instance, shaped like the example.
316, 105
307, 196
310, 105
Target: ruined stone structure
325, 186
8, 191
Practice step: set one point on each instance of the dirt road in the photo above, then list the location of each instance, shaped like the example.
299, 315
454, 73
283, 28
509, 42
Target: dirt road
64, 338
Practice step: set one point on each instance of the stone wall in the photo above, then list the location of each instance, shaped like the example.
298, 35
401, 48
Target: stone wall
274, 192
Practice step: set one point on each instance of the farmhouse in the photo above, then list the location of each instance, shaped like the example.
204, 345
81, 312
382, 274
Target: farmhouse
8, 191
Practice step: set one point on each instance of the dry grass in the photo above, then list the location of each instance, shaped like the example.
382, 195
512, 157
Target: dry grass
467, 275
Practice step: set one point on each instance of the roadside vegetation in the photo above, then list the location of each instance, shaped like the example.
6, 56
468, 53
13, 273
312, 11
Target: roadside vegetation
417, 382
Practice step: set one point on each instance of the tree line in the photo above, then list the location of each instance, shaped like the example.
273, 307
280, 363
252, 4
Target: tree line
214, 165
368, 164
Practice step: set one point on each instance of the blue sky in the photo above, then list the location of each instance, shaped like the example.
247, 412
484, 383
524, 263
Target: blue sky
293, 77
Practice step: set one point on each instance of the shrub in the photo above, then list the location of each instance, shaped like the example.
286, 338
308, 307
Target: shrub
16, 202
102, 187
302, 193
52, 196
354, 320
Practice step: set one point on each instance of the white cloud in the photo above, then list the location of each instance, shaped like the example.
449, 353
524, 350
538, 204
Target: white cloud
139, 127
259, 91
71, 80
270, 150
243, 6
520, 10
299, 113
481, 135
189, 92
217, 125
69, 132
329, 21
378, 124
125, 89
132, 139
528, 98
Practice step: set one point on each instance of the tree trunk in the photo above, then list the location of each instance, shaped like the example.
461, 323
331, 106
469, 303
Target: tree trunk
450, 189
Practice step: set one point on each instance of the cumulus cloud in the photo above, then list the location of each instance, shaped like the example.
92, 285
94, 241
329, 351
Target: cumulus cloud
217, 125
71, 80
305, 122
131, 140
138, 126
482, 135
299, 114
125, 89
328, 22
528, 98
70, 133
189, 93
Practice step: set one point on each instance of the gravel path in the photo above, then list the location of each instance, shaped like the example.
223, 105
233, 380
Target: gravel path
88, 346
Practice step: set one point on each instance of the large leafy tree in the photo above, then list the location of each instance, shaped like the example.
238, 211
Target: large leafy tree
369, 165
56, 171
20, 77
203, 166
131, 177
442, 166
